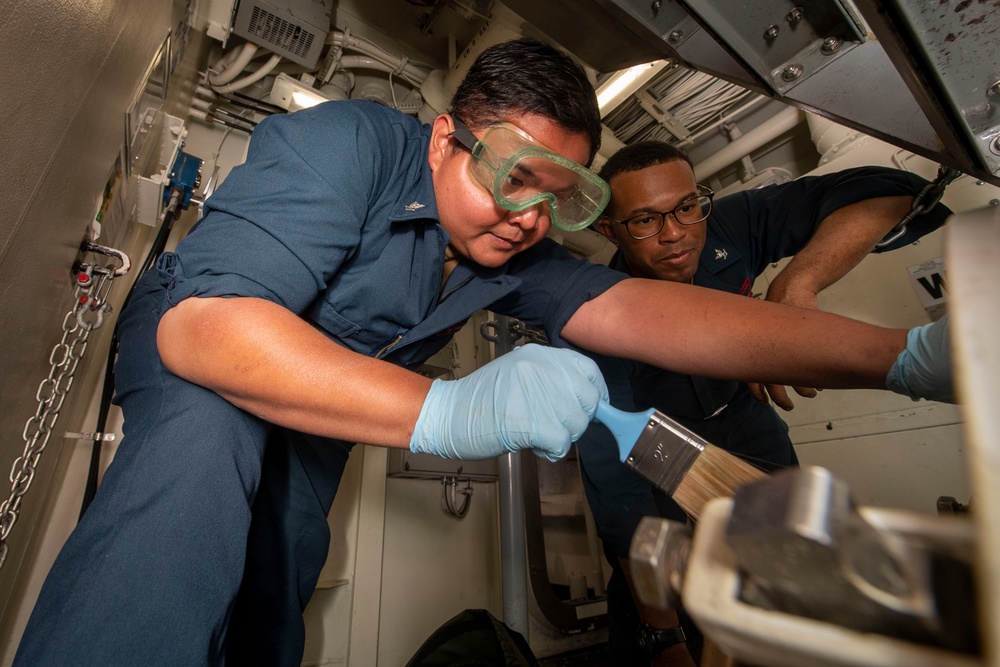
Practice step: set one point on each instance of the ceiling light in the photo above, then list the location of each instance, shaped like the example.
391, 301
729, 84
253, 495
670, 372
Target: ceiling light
292, 94
624, 83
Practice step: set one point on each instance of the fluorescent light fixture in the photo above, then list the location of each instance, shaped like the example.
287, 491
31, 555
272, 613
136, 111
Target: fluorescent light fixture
292, 94
624, 83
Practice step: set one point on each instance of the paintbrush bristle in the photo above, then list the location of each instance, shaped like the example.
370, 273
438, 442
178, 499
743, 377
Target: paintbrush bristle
714, 474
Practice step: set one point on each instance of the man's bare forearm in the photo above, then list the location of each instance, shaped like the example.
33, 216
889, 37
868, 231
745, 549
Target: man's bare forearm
704, 332
271, 363
840, 242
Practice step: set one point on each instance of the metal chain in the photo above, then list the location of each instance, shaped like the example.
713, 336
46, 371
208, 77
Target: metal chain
93, 285
519, 329
516, 330
925, 200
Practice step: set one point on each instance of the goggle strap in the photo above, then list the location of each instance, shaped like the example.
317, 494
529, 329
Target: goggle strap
465, 136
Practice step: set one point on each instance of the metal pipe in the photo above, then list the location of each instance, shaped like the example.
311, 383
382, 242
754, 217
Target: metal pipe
513, 562
729, 117
782, 122
594, 547
513, 558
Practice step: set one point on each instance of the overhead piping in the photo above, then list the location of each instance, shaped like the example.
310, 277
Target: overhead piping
264, 70
783, 121
232, 66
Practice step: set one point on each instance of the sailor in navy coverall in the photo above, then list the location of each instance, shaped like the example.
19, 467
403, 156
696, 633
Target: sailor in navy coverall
743, 234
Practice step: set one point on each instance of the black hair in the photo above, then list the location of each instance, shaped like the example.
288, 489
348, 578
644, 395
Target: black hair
640, 155
528, 76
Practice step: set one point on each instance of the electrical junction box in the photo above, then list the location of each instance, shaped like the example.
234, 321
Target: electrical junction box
149, 189
294, 29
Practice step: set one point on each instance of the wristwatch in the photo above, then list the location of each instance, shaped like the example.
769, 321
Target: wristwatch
654, 640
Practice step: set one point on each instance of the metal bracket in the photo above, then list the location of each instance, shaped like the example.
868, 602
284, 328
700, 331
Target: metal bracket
96, 437
126, 263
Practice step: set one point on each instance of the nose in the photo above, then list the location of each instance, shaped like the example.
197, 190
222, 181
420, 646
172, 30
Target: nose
672, 230
531, 217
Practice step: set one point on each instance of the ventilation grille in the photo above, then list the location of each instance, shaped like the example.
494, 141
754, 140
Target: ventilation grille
272, 29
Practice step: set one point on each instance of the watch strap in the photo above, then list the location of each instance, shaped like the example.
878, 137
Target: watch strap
654, 640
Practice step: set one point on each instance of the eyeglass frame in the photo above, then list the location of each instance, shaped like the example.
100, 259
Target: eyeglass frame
702, 192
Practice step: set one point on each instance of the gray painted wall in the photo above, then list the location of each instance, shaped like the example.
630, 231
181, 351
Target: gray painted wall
68, 71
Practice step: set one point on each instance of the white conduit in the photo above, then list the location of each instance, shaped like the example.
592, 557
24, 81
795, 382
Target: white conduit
780, 123
395, 64
252, 78
757, 99
231, 71
365, 62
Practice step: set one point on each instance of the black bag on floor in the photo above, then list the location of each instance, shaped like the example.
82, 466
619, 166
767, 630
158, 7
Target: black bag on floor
474, 638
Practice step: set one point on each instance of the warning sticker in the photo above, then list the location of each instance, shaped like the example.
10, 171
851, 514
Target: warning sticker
930, 283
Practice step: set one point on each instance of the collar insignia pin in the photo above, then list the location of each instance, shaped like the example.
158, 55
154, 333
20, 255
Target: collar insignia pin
414, 206
721, 253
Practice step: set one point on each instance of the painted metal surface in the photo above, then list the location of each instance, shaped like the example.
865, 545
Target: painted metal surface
70, 71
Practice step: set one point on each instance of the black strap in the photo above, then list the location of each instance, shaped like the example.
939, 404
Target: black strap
654, 640
925, 200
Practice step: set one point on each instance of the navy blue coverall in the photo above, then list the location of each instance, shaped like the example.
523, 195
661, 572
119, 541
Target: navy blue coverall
746, 232
208, 533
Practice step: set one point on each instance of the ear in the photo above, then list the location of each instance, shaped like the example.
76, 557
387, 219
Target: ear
441, 141
607, 228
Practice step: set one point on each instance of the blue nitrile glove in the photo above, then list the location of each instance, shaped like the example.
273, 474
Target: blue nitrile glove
923, 368
535, 396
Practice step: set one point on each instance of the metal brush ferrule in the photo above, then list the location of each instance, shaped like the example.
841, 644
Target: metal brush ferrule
664, 452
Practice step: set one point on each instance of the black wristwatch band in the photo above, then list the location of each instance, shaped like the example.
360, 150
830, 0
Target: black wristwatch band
654, 640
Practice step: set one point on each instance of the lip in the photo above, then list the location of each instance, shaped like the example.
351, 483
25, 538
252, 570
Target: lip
504, 243
676, 258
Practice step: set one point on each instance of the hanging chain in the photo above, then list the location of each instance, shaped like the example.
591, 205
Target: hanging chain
926, 199
93, 284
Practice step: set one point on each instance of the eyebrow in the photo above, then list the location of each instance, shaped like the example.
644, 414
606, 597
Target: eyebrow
650, 209
527, 173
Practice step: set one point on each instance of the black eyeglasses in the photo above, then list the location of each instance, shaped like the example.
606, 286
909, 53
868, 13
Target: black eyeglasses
688, 212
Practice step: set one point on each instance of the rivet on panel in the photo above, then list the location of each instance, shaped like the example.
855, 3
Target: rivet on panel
831, 45
791, 73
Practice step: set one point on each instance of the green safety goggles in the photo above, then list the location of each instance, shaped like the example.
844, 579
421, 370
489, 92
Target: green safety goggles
520, 173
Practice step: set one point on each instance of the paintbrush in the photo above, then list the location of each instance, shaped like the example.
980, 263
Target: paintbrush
675, 459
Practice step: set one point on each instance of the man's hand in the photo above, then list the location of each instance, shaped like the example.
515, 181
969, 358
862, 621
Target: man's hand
786, 292
776, 393
534, 397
